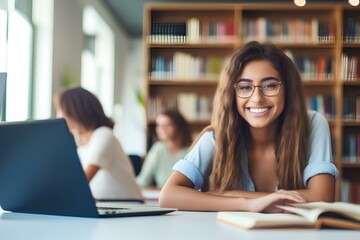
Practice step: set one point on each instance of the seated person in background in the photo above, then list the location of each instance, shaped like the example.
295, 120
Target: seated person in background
174, 138
107, 168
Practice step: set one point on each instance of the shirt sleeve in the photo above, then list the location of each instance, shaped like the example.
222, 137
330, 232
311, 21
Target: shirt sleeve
320, 160
146, 175
197, 164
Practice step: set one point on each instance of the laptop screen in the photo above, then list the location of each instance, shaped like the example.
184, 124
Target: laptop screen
40, 171
2, 93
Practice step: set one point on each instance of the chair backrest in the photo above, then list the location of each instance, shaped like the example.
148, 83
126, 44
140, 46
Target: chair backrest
136, 162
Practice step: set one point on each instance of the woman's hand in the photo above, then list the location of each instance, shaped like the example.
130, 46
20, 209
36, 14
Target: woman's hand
269, 202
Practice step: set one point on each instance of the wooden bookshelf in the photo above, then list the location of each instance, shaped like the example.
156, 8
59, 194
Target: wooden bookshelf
322, 39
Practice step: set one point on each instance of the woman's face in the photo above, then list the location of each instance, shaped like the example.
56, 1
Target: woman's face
258, 110
165, 128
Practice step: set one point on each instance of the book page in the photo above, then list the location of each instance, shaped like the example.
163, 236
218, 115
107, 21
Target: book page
248, 220
311, 214
312, 210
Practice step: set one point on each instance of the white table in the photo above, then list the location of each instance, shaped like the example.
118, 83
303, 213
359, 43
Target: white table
176, 225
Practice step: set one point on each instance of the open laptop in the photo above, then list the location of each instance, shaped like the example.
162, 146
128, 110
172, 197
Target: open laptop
2, 91
40, 172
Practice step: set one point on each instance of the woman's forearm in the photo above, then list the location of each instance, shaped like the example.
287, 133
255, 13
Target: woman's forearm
178, 193
239, 193
184, 198
320, 188
90, 171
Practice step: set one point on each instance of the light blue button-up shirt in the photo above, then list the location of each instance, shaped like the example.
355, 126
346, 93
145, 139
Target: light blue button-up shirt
197, 164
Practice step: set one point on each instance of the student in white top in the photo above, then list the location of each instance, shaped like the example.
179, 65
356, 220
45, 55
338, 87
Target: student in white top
107, 168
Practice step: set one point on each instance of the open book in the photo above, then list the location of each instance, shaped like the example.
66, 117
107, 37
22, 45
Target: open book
304, 215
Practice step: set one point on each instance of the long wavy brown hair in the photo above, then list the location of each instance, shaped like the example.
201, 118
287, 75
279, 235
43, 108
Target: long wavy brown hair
232, 131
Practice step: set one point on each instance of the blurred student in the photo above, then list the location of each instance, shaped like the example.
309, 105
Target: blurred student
106, 166
174, 137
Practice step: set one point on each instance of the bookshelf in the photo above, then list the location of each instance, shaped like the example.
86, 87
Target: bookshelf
186, 45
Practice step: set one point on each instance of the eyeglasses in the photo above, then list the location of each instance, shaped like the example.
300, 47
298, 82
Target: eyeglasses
245, 89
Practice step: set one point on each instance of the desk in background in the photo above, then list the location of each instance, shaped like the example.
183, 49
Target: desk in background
176, 226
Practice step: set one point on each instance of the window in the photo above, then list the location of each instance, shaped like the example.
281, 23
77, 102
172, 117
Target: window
97, 70
16, 37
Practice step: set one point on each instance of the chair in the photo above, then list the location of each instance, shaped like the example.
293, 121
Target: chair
136, 162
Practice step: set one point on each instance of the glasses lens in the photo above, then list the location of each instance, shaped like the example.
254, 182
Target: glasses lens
270, 88
244, 89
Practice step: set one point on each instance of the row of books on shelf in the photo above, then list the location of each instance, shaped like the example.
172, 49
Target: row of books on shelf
351, 147
351, 106
192, 106
185, 66
351, 33
295, 30
324, 104
168, 33
350, 67
350, 191
191, 31
290, 30
197, 31
182, 65
318, 68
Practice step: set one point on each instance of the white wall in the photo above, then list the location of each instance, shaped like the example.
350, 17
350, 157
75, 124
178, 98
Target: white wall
129, 67
67, 41
122, 43
133, 131
129, 77
43, 18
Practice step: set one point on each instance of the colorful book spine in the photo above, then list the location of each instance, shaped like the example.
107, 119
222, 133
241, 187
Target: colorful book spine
324, 104
351, 106
168, 32
191, 105
350, 149
350, 67
184, 66
351, 30
296, 30
313, 68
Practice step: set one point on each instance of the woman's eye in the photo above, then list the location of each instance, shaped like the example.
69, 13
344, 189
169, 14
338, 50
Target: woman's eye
245, 87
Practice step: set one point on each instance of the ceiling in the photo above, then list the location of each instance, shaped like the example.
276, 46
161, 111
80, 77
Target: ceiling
129, 13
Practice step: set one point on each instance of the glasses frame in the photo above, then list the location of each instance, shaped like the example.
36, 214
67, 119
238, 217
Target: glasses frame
259, 86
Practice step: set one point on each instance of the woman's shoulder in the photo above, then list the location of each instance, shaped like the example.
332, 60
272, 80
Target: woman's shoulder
318, 121
315, 116
206, 138
103, 133
210, 135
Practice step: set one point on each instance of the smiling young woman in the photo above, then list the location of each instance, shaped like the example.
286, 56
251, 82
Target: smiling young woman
262, 149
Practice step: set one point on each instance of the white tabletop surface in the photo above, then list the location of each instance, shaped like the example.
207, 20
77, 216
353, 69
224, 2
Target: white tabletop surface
176, 225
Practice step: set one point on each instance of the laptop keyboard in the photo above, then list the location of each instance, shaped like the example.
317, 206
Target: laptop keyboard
112, 210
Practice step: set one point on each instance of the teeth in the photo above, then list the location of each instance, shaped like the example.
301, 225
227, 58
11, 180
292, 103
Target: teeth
258, 110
